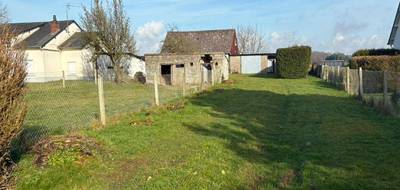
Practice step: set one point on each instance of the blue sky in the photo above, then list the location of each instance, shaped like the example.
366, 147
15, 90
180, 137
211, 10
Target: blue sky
326, 25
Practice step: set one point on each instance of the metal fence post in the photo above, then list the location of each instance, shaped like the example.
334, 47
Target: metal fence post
156, 98
360, 73
63, 79
101, 100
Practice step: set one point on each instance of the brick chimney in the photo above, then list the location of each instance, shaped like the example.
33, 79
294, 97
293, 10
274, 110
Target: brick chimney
54, 26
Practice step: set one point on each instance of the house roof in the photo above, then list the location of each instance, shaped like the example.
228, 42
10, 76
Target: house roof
76, 41
40, 37
206, 41
395, 27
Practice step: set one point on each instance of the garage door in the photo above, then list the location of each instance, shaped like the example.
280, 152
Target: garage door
251, 64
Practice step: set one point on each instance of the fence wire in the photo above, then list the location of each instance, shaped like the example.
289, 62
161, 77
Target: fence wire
60, 106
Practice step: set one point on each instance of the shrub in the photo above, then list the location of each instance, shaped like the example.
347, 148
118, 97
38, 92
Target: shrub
293, 62
12, 107
376, 52
376, 63
140, 77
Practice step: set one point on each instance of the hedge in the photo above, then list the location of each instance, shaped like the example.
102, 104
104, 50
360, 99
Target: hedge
293, 62
376, 63
376, 52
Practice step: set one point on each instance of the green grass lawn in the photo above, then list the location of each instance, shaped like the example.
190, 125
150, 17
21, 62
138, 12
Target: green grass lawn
53, 109
257, 133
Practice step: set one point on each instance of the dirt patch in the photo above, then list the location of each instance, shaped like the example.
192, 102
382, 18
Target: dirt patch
230, 82
148, 122
287, 179
45, 148
176, 106
125, 171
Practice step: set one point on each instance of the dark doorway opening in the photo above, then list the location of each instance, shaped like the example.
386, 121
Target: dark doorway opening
166, 74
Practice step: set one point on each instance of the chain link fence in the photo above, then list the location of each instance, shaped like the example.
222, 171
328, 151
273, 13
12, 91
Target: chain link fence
380, 89
58, 105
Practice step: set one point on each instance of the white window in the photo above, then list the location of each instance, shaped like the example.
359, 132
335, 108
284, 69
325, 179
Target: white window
71, 68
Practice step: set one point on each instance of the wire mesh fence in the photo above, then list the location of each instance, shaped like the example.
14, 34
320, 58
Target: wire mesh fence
380, 89
60, 105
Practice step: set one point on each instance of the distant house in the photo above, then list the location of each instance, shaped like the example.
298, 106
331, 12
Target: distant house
206, 62
394, 39
55, 47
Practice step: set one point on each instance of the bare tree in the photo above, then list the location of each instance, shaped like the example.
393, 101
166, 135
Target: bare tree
12, 106
108, 32
251, 40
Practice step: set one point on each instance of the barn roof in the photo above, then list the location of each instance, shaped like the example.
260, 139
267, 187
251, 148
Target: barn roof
206, 41
395, 27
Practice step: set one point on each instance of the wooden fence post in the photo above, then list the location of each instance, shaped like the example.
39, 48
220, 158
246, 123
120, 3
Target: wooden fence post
385, 89
101, 100
321, 74
360, 73
348, 79
328, 74
184, 81
156, 97
63, 79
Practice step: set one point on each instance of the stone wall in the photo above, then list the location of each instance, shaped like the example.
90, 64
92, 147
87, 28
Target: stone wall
235, 64
193, 66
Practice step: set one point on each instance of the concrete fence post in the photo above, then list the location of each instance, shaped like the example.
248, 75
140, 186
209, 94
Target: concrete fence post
338, 81
101, 100
322, 73
212, 75
63, 79
156, 97
184, 81
348, 79
385, 89
202, 78
360, 73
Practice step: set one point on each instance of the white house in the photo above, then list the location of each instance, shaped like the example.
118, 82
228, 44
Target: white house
394, 40
57, 47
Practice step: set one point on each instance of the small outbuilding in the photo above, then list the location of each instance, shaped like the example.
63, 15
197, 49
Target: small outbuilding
193, 58
263, 63
191, 69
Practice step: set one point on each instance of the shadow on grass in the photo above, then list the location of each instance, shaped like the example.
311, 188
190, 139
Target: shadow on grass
327, 141
28, 137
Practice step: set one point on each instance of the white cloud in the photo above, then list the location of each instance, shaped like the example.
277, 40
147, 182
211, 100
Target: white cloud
149, 37
281, 40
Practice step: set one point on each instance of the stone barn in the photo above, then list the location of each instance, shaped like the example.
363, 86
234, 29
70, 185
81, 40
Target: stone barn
194, 57
193, 69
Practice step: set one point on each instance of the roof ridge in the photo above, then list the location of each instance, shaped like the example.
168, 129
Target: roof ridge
200, 31
41, 22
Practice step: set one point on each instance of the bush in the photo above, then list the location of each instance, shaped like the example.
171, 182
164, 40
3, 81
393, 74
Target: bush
376, 63
140, 77
376, 52
12, 107
293, 62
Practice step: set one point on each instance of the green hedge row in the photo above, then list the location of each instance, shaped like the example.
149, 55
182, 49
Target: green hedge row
293, 62
376, 52
376, 63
